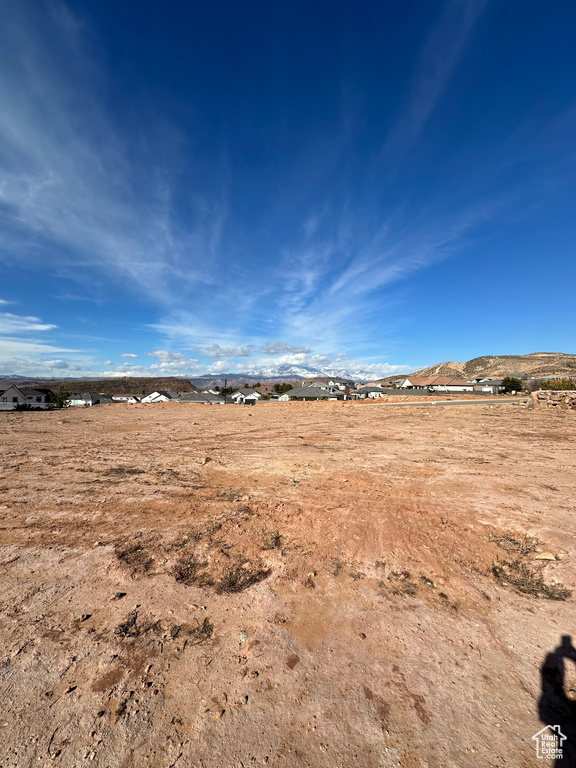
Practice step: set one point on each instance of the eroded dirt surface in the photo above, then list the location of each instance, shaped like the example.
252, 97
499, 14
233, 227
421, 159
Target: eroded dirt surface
299, 584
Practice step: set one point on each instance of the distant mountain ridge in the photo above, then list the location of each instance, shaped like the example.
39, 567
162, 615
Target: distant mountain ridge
123, 386
497, 366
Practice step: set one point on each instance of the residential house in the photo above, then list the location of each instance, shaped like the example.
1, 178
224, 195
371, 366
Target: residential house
161, 396
312, 393
371, 392
14, 396
88, 399
341, 384
489, 386
437, 384
203, 398
245, 396
125, 399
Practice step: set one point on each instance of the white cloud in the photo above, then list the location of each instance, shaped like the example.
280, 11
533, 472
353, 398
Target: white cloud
14, 324
280, 347
216, 351
108, 362
129, 354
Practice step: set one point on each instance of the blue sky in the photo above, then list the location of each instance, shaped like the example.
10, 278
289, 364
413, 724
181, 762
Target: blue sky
192, 188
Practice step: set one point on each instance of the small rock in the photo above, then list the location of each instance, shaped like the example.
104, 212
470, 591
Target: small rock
361, 636
205, 460
545, 556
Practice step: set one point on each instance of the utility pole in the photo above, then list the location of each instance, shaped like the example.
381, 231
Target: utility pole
225, 393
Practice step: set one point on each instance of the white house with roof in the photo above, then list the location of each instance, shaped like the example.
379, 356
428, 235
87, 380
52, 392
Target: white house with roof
14, 396
88, 399
160, 396
313, 393
245, 396
437, 384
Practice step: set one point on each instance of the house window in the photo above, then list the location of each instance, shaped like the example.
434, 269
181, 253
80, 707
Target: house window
38, 399
14, 399
4, 399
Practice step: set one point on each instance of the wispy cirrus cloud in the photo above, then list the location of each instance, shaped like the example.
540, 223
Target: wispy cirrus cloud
12, 324
439, 58
74, 185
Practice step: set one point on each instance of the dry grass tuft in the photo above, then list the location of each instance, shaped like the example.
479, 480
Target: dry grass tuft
190, 571
507, 542
241, 576
518, 575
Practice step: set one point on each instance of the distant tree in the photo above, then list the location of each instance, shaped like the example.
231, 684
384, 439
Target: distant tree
562, 384
281, 388
60, 396
216, 388
246, 386
227, 391
511, 384
257, 385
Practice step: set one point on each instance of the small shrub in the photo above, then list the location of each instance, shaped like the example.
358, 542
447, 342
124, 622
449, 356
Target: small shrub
239, 578
511, 384
517, 574
559, 384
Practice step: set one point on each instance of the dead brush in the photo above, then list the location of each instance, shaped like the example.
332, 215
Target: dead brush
241, 576
522, 546
516, 574
190, 571
136, 557
130, 627
199, 634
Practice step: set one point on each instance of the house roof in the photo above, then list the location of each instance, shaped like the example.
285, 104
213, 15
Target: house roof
246, 391
26, 391
95, 396
200, 397
166, 393
312, 392
436, 381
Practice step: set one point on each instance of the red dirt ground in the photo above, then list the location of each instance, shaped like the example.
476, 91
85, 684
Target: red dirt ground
294, 584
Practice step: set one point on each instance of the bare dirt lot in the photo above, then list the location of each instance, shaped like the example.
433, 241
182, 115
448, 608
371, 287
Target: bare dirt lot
298, 584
